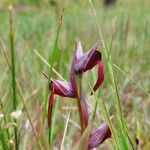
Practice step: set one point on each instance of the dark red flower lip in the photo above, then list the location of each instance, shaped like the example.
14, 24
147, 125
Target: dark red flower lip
60, 88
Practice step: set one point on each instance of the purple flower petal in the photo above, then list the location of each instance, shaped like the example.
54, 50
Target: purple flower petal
78, 53
99, 136
88, 60
78, 50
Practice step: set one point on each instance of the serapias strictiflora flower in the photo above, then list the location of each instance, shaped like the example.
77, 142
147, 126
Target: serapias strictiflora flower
81, 63
99, 136
60, 88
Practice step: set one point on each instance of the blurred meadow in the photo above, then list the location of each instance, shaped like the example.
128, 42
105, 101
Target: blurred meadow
125, 28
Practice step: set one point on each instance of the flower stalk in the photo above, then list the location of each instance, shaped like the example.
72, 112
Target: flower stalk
82, 107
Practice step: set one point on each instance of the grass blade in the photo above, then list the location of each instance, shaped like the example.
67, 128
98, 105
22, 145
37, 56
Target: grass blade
131, 79
3, 138
66, 126
50, 71
14, 96
47, 64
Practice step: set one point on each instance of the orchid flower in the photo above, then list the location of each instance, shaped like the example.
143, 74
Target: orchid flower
99, 136
60, 88
84, 62
81, 63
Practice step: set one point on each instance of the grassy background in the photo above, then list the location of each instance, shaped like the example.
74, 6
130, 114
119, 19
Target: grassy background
35, 25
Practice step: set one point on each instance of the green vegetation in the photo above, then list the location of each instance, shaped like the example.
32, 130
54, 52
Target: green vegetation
43, 42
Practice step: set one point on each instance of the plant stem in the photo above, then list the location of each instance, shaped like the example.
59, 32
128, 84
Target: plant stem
14, 97
81, 103
2, 109
3, 139
51, 68
80, 116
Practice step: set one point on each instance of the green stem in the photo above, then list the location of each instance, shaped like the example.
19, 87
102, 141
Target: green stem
82, 125
14, 97
51, 67
80, 103
16, 136
3, 139
5, 120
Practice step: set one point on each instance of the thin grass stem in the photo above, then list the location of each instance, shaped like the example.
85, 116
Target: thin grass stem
14, 96
1, 108
65, 131
51, 61
131, 79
